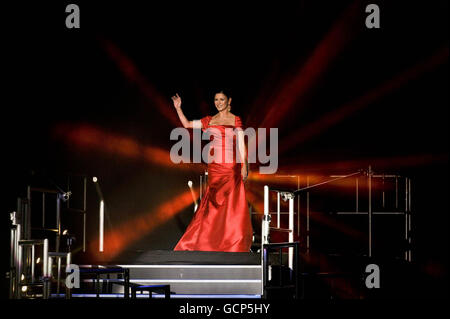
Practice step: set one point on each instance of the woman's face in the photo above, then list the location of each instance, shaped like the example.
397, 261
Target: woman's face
221, 101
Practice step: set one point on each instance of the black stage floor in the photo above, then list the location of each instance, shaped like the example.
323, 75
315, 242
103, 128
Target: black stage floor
170, 257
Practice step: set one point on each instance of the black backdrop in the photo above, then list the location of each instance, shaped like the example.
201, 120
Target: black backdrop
56, 75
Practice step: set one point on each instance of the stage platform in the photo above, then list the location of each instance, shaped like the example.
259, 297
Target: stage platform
170, 257
191, 274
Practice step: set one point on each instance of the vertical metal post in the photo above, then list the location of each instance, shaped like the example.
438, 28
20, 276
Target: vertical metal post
296, 277
101, 224
409, 220
49, 274
12, 266
45, 270
298, 208
264, 240
27, 230
32, 262
68, 262
406, 218
19, 261
84, 213
307, 216
58, 220
84, 192
43, 210
278, 209
357, 194
264, 272
84, 231
291, 231
266, 217
45, 258
370, 211
58, 276
396, 192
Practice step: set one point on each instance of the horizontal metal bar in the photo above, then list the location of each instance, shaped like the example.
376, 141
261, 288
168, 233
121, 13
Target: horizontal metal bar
286, 176
44, 190
386, 176
76, 210
281, 229
184, 296
190, 266
55, 254
281, 245
272, 213
277, 190
181, 280
373, 213
31, 242
45, 229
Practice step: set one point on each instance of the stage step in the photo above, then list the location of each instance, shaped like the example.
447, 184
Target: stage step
199, 279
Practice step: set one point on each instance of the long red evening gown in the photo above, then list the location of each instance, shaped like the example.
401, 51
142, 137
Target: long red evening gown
222, 221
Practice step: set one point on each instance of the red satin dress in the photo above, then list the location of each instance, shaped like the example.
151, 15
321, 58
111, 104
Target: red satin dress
222, 221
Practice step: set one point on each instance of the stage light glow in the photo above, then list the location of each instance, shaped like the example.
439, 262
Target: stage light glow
131, 72
24, 288
295, 87
341, 113
91, 137
377, 163
94, 179
122, 236
38, 260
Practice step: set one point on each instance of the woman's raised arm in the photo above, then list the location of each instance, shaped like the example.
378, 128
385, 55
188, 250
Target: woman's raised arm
177, 103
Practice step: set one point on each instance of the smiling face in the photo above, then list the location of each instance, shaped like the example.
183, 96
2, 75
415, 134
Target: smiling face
221, 101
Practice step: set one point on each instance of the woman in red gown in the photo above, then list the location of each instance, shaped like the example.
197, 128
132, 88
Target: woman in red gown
222, 221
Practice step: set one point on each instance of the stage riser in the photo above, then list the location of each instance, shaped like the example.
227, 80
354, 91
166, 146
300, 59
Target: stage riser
205, 288
195, 273
199, 279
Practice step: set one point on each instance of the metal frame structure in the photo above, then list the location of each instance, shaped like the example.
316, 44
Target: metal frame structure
23, 248
22, 264
371, 213
291, 194
267, 269
79, 210
58, 256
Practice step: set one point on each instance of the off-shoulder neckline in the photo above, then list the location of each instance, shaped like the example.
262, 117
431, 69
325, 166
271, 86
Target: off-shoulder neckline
235, 122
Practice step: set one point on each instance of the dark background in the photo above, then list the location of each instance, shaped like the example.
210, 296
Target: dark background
57, 75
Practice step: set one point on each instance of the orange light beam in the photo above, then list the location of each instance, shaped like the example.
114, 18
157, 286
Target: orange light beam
309, 73
131, 72
89, 136
122, 236
377, 163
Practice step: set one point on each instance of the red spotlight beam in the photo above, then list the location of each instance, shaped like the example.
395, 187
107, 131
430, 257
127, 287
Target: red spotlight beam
309, 73
377, 163
334, 117
124, 235
131, 72
90, 137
